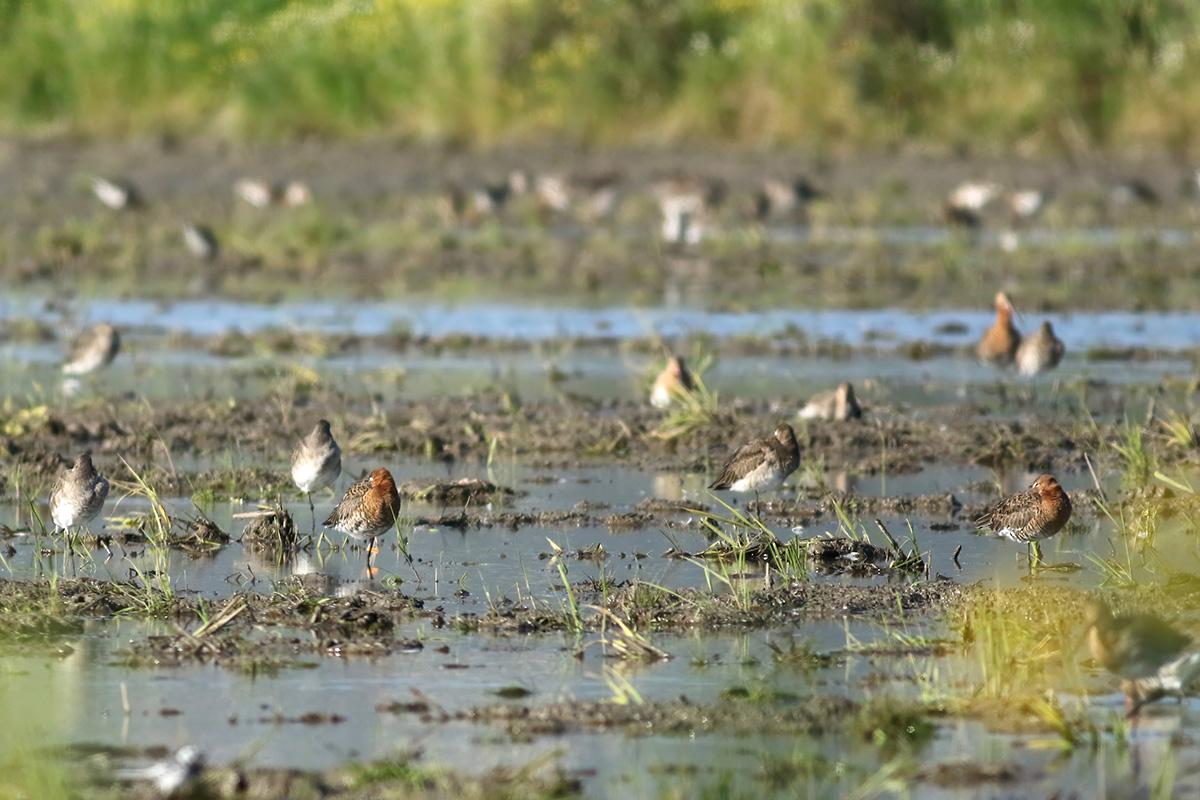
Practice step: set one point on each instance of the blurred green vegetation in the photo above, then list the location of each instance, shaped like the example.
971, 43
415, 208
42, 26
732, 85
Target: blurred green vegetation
1037, 74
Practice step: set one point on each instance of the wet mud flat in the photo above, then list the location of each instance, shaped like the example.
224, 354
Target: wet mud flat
547, 434
562, 582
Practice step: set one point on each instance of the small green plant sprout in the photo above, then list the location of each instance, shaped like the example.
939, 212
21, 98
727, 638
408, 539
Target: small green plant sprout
571, 607
1137, 462
159, 527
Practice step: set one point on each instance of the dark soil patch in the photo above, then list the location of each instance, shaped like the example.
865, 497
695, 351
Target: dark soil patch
968, 774
811, 715
465, 491
551, 434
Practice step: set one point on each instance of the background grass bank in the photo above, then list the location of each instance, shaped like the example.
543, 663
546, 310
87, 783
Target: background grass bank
1046, 75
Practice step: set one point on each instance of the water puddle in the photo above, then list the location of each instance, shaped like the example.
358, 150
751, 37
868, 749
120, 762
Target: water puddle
509, 322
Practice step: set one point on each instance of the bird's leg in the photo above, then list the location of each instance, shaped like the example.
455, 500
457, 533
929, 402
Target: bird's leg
312, 510
757, 506
370, 551
1035, 554
1132, 706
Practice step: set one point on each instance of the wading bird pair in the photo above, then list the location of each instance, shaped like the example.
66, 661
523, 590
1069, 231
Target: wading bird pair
369, 507
675, 383
1027, 517
366, 511
1002, 346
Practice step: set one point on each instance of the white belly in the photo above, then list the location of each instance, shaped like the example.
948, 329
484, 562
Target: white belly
763, 478
660, 396
811, 411
67, 514
1028, 363
309, 476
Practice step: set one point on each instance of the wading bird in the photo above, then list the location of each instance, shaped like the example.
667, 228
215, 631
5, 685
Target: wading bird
78, 494
1027, 517
1143, 650
999, 343
672, 383
368, 509
836, 404
761, 465
316, 462
1040, 352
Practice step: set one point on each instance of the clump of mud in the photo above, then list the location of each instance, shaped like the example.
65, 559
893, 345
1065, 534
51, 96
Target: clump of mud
799, 716
465, 491
200, 535
273, 530
403, 775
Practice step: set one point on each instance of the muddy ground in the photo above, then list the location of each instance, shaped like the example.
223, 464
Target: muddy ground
567, 433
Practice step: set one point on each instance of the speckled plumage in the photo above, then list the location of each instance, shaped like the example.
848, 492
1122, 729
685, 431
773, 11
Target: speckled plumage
1132, 645
999, 343
674, 380
762, 464
838, 404
368, 508
1143, 650
78, 494
93, 349
1029, 516
1039, 352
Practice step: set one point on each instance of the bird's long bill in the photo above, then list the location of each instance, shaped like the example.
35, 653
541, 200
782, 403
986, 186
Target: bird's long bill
1012, 307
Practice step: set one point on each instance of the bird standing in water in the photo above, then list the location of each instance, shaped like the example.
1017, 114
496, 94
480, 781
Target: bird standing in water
1027, 517
761, 465
999, 343
93, 349
1040, 352
1143, 650
836, 404
78, 494
316, 463
368, 509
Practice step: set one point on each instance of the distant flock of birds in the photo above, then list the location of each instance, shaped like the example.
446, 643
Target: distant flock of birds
687, 204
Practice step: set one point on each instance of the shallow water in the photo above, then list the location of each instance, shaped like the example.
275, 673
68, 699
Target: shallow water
470, 571
880, 380
1080, 330
497, 562
239, 717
